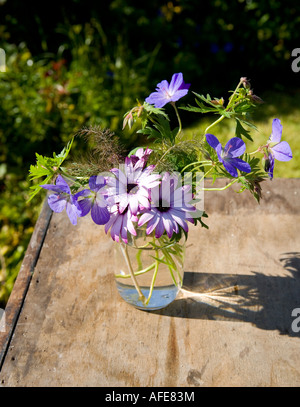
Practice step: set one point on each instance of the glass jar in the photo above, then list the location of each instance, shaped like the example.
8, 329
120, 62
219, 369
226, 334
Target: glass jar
148, 270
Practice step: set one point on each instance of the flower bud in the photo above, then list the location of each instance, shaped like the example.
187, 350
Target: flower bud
255, 98
217, 102
245, 82
128, 120
267, 164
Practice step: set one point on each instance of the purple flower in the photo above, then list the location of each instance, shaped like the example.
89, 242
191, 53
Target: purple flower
234, 148
95, 200
166, 92
279, 150
130, 185
169, 209
120, 224
140, 158
63, 199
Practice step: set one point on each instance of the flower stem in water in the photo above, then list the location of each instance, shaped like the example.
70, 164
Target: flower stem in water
125, 253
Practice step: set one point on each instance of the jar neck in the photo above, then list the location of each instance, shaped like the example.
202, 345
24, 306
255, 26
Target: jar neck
149, 242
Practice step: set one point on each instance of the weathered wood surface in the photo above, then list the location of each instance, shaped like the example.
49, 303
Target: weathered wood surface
230, 326
13, 307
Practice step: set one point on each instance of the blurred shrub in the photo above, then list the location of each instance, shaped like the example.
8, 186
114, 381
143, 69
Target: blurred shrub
75, 63
44, 101
212, 42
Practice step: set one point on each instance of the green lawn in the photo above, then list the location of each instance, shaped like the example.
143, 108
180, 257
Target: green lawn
285, 107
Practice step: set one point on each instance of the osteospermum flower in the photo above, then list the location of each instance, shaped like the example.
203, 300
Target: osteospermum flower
120, 224
95, 200
279, 150
63, 199
234, 148
131, 184
166, 92
170, 208
140, 157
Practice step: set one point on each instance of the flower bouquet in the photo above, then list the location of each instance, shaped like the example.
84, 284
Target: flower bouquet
147, 198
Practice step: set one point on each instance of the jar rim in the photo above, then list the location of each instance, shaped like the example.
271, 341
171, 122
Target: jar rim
151, 245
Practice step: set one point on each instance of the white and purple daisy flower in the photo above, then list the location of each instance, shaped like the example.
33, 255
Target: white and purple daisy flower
63, 199
120, 223
170, 208
166, 93
276, 149
131, 184
234, 148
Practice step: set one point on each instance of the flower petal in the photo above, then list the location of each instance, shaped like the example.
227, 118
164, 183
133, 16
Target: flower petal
282, 151
157, 99
152, 224
271, 166
99, 214
96, 182
212, 140
72, 212
275, 136
85, 206
168, 224
57, 203
145, 218
159, 230
60, 182
178, 95
230, 168
175, 83
240, 164
235, 147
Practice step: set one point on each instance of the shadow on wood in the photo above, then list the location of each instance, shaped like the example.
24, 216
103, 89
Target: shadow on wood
264, 301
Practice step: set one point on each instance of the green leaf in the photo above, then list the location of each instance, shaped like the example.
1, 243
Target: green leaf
240, 131
47, 167
150, 109
161, 130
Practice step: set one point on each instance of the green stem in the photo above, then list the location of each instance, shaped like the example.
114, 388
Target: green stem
207, 172
153, 279
196, 162
227, 108
220, 189
138, 272
171, 265
232, 96
259, 150
178, 118
138, 259
125, 253
213, 124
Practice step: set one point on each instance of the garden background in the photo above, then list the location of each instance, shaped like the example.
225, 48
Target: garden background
77, 63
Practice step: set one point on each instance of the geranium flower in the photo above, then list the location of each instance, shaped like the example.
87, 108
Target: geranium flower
169, 208
166, 92
234, 148
120, 223
63, 199
95, 200
131, 184
279, 150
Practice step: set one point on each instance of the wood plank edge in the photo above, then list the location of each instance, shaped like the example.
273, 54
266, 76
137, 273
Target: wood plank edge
17, 297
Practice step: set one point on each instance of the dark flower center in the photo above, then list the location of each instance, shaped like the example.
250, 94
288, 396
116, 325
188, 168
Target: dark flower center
163, 206
130, 187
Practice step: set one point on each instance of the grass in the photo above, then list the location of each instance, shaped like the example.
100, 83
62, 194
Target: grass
285, 107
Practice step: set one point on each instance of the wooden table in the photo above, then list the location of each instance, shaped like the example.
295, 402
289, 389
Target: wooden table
232, 324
